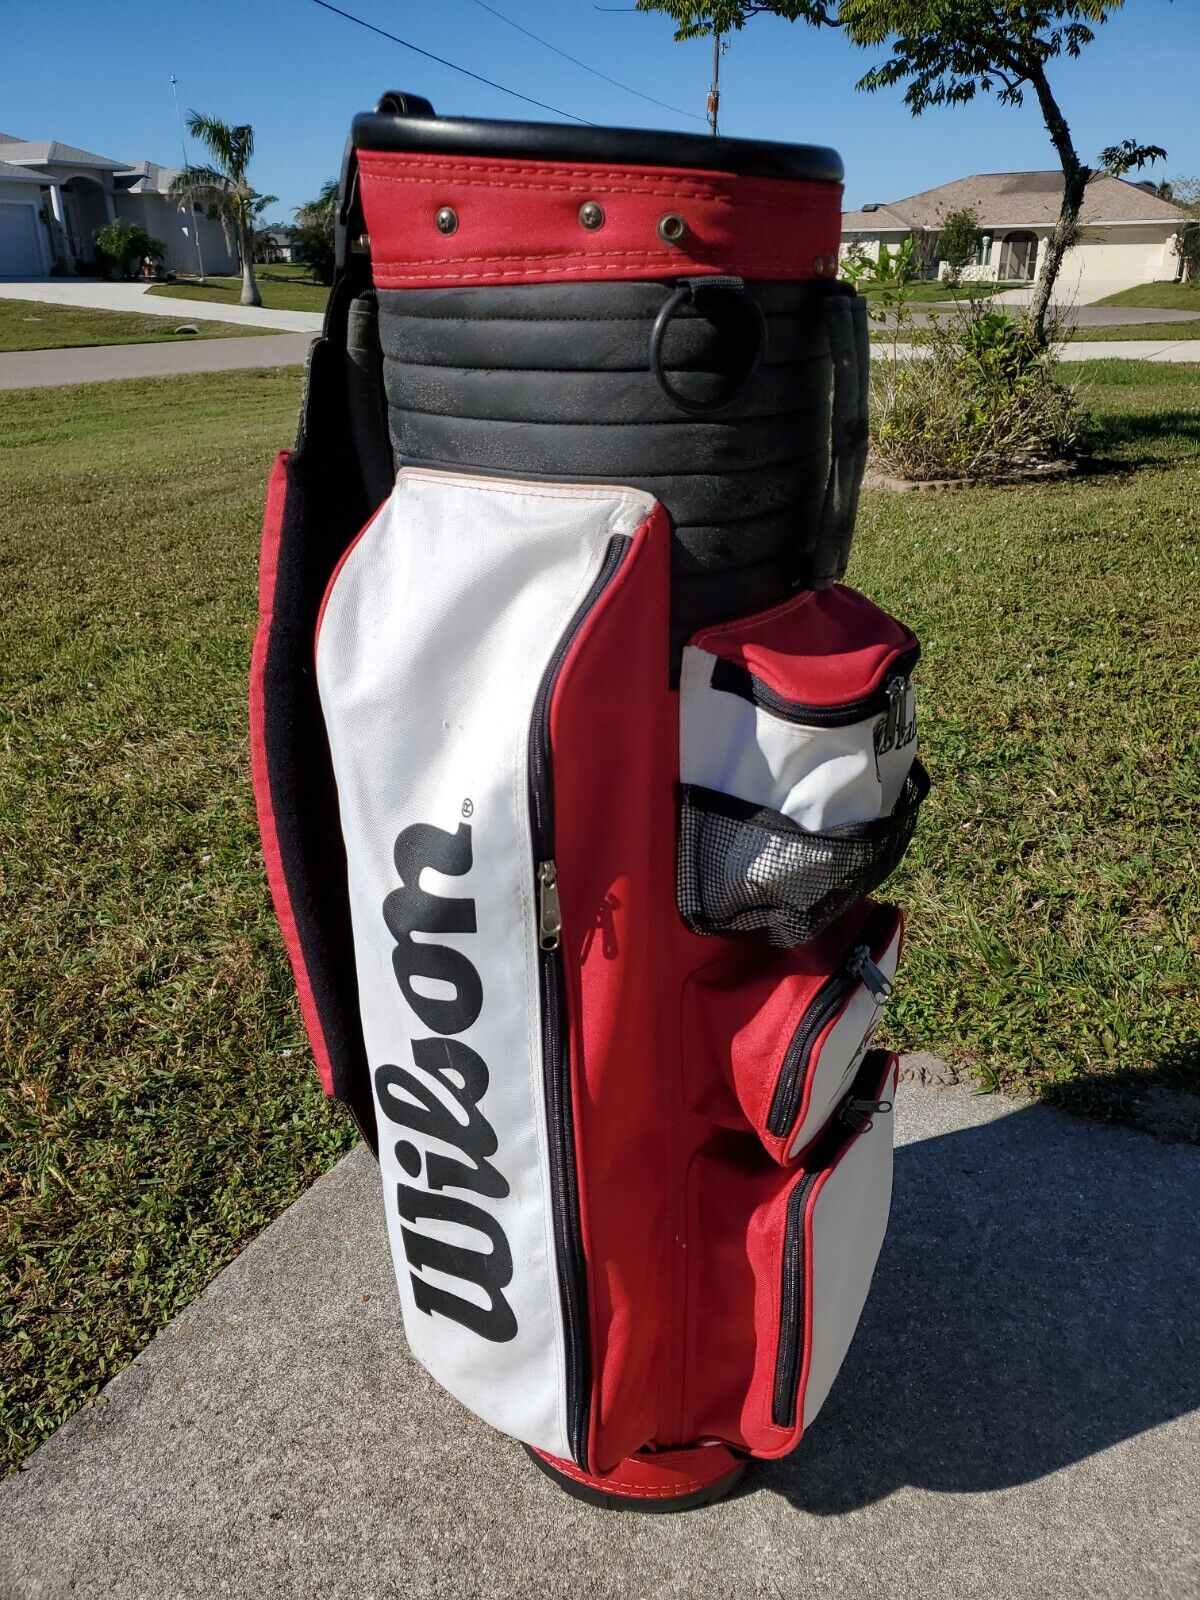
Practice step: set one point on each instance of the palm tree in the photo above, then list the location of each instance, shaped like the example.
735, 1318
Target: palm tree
226, 180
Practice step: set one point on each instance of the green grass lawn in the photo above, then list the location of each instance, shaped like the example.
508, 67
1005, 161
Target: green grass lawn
924, 294
1159, 296
283, 288
35, 325
1164, 331
157, 1102
156, 1095
1054, 914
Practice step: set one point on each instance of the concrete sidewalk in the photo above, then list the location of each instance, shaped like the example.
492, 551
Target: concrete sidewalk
1016, 1417
45, 369
96, 294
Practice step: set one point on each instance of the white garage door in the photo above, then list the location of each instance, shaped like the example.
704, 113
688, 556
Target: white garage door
19, 253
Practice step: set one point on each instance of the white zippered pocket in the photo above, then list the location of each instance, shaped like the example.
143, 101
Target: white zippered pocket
436, 658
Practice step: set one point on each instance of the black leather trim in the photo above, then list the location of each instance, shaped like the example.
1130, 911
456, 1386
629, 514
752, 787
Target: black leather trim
552, 141
553, 381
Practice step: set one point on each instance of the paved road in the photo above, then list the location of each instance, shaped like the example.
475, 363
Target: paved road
1175, 350
1017, 1417
41, 369
100, 296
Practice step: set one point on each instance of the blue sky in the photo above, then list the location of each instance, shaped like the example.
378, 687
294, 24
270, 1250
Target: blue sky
98, 76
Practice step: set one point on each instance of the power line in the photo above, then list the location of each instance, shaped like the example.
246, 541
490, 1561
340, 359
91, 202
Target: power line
575, 61
453, 65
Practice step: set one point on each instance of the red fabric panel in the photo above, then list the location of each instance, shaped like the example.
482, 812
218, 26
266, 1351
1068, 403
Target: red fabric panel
821, 648
744, 1011
614, 777
665, 1475
260, 769
518, 221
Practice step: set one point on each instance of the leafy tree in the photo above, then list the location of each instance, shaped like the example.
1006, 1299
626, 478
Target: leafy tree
1185, 192
958, 240
314, 231
946, 52
122, 246
1118, 159
225, 181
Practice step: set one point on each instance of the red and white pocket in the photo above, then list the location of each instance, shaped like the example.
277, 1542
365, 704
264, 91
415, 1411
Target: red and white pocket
799, 787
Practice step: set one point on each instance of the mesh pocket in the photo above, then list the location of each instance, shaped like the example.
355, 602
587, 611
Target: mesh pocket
744, 869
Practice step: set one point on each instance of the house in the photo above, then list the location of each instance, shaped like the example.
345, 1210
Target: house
277, 244
54, 196
1127, 231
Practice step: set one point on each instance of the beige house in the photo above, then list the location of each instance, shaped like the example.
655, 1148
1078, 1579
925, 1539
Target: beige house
1127, 232
53, 197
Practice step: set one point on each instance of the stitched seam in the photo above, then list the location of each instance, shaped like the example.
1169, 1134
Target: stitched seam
469, 468
556, 255
469, 318
726, 189
643, 422
487, 371
395, 274
550, 492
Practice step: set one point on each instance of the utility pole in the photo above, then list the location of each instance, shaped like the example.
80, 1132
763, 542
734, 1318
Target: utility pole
714, 93
191, 204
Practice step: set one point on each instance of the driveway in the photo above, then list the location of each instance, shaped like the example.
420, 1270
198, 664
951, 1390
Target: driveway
45, 369
1017, 1417
97, 295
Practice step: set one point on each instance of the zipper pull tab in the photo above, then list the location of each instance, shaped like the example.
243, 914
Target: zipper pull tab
862, 966
857, 1114
896, 692
549, 910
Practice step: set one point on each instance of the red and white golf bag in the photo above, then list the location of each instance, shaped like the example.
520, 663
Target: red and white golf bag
577, 766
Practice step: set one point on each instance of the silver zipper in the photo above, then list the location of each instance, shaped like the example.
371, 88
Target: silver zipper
897, 694
877, 982
549, 909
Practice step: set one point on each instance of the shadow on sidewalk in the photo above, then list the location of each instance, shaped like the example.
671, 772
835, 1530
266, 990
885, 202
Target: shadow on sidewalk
1035, 1303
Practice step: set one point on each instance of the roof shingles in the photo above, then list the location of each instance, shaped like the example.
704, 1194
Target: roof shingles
1015, 199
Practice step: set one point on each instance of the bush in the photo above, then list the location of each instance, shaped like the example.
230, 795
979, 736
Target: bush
122, 246
315, 248
981, 400
958, 241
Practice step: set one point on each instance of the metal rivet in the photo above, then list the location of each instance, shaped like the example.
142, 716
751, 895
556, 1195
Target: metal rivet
591, 216
671, 228
831, 266
819, 266
447, 220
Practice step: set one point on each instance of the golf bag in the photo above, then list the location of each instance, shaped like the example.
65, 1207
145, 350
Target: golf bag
577, 766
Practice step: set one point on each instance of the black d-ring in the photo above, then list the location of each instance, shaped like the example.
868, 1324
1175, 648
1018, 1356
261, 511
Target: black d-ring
701, 292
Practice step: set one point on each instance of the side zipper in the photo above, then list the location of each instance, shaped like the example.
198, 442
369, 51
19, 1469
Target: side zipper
854, 1114
556, 1050
859, 966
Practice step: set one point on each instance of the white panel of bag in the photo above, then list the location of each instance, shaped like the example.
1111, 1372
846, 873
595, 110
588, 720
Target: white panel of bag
849, 1220
435, 637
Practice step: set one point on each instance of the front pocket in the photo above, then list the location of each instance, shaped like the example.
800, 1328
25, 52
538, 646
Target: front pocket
835, 1217
443, 637
783, 1033
747, 870
832, 1028
797, 745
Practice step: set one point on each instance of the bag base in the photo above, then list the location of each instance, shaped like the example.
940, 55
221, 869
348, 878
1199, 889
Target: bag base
659, 1481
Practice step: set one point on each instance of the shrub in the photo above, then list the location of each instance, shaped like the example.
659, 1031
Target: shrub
958, 241
979, 398
122, 246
